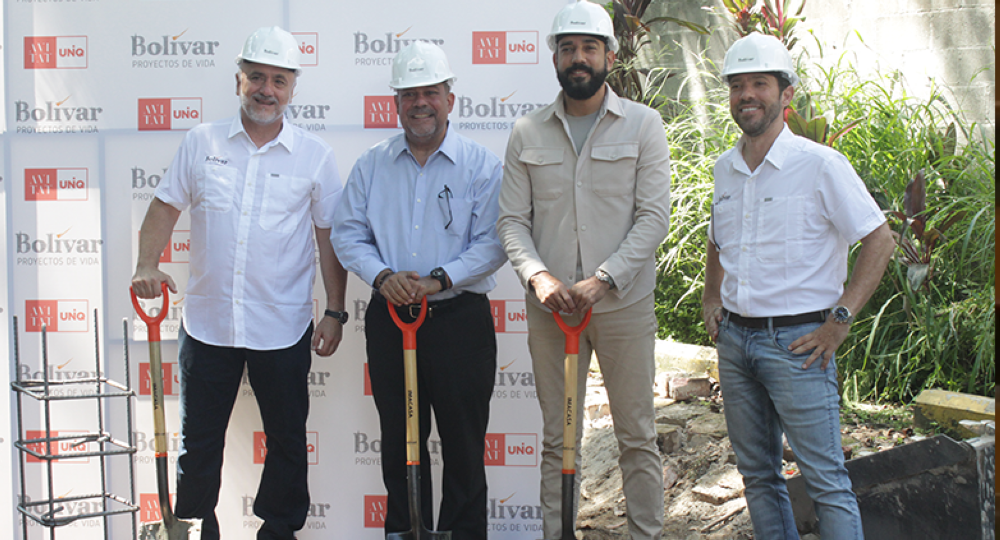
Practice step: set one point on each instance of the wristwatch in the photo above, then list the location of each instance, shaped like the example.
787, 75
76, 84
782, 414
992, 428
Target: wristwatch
601, 275
337, 315
842, 315
441, 276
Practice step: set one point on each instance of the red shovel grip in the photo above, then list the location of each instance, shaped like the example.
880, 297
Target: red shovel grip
153, 323
572, 332
409, 329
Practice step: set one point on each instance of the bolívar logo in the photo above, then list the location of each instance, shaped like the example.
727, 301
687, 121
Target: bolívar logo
163, 114
56, 185
171, 46
56, 244
178, 250
171, 377
149, 507
507, 515
380, 112
260, 447
55, 52
505, 47
308, 48
56, 315
511, 450
509, 316
58, 443
55, 117
375, 508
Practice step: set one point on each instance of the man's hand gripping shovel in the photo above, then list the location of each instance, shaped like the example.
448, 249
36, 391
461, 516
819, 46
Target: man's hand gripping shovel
569, 423
170, 528
417, 529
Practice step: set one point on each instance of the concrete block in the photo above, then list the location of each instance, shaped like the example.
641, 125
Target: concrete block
668, 438
681, 388
906, 32
686, 360
927, 490
713, 424
723, 485
948, 408
679, 414
960, 28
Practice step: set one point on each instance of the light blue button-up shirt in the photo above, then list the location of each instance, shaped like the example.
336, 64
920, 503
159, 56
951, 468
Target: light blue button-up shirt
396, 214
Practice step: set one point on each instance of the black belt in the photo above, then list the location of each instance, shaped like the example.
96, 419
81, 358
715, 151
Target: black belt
433, 308
777, 322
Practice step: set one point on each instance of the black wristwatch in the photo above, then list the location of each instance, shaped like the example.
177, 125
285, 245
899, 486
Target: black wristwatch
842, 315
337, 315
441, 276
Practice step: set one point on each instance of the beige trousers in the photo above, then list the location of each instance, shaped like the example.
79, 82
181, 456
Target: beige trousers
623, 341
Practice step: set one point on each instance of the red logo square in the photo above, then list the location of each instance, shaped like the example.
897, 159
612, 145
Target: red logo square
39, 52
375, 507
40, 184
380, 112
154, 114
494, 456
489, 47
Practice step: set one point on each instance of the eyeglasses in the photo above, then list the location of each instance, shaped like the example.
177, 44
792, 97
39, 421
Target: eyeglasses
446, 196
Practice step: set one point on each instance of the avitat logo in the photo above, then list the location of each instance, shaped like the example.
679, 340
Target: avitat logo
56, 315
164, 114
509, 316
308, 48
375, 507
518, 47
56, 448
149, 507
56, 184
55, 52
260, 447
171, 375
380, 112
511, 450
178, 250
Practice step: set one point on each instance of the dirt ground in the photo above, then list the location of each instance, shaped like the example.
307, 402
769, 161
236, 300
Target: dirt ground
703, 497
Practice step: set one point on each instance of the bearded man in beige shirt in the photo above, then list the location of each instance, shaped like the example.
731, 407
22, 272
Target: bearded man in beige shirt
584, 204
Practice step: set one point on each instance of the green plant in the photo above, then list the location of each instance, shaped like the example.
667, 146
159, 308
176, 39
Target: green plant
768, 17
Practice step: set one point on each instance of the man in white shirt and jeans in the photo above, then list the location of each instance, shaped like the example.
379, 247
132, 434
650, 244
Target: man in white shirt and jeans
784, 214
257, 189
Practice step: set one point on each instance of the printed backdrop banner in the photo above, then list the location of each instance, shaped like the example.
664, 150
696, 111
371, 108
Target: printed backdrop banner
98, 96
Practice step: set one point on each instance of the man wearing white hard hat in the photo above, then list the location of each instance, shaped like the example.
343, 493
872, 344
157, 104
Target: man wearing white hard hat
258, 189
418, 220
585, 204
785, 213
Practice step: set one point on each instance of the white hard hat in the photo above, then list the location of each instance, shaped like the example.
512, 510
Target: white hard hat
272, 46
420, 64
758, 53
583, 17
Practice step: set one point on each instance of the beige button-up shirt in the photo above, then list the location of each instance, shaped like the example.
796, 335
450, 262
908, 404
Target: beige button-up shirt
607, 208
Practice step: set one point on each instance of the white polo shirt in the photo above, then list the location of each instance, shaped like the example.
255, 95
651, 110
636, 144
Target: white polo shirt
783, 230
252, 261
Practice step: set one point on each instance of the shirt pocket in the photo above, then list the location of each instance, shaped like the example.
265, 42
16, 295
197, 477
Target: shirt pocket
546, 171
286, 198
460, 216
725, 223
780, 224
215, 184
613, 168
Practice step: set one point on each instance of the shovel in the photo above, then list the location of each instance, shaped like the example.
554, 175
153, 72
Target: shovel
569, 425
417, 529
170, 528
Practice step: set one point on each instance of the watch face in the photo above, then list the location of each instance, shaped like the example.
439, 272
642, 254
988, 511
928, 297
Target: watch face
841, 313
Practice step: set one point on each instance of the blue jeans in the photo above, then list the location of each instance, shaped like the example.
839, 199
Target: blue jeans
767, 393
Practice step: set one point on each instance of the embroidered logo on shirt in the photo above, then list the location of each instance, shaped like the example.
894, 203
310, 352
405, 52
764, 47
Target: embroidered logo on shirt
216, 159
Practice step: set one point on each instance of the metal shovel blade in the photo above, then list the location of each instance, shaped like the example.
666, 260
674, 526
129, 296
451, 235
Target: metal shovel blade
178, 530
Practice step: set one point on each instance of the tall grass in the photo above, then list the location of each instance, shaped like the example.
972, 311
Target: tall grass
941, 335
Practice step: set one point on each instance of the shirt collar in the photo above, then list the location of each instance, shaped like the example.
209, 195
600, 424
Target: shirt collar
449, 146
611, 104
778, 152
284, 138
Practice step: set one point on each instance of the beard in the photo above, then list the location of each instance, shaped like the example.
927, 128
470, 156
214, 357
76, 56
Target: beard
583, 89
258, 117
751, 128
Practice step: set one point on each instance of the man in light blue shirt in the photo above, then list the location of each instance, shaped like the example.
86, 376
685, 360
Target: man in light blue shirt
417, 219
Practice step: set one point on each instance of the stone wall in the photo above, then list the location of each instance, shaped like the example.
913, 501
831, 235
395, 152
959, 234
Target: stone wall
947, 44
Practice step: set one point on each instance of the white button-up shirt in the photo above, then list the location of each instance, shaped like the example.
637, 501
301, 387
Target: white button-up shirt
253, 256
783, 230
396, 214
